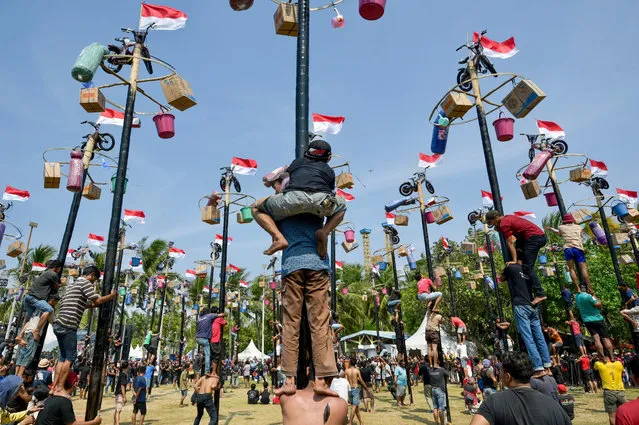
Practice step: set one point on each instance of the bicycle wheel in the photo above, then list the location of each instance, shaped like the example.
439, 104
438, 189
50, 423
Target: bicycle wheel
147, 63
406, 189
560, 147
395, 239
473, 216
429, 187
600, 183
223, 184
236, 185
106, 142
463, 77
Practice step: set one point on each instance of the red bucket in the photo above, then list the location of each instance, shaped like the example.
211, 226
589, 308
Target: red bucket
551, 199
371, 10
349, 235
504, 127
165, 125
430, 218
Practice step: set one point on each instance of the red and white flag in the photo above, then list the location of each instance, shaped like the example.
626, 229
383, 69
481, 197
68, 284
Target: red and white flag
13, 194
190, 275
244, 284
375, 269
96, 240
176, 253
70, 252
205, 289
428, 161
231, 268
347, 196
525, 214
243, 166
38, 267
627, 196
598, 168
493, 49
445, 243
113, 117
339, 265
134, 215
550, 130
327, 124
481, 250
487, 199
390, 218
161, 17
219, 239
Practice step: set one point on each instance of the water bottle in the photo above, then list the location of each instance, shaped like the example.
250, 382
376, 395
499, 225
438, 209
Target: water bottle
600, 235
567, 277
76, 171
411, 261
127, 300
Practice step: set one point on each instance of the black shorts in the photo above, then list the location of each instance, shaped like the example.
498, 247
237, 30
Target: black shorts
588, 375
139, 407
82, 385
216, 351
597, 328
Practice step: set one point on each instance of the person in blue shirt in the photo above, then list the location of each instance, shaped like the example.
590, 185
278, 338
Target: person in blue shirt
148, 373
630, 306
139, 395
401, 380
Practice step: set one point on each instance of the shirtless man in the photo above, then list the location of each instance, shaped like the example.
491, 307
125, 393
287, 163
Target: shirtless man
354, 378
309, 408
204, 388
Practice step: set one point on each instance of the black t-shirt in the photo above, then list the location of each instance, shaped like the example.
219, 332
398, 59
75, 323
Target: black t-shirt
84, 373
522, 406
519, 284
423, 372
253, 396
367, 374
57, 411
42, 286
121, 382
545, 385
265, 398
557, 374
310, 176
567, 401
438, 377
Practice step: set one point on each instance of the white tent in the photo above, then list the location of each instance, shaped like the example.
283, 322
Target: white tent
136, 353
250, 352
418, 341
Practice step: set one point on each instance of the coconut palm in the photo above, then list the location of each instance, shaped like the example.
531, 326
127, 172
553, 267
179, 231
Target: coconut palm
40, 254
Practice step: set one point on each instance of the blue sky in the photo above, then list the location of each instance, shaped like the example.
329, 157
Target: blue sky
383, 76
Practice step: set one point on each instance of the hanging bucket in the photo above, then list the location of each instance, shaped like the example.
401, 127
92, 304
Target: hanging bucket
551, 199
458, 274
345, 291
430, 217
385, 291
247, 214
349, 235
114, 179
620, 210
543, 259
504, 127
382, 265
371, 10
135, 261
165, 125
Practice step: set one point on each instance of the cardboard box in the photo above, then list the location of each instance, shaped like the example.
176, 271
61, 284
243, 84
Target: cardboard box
455, 105
523, 98
478, 276
200, 270
92, 99
632, 217
442, 214
344, 180
620, 238
472, 285
74, 272
3, 265
91, 191
625, 259
464, 270
349, 246
178, 92
402, 252
579, 175
547, 271
581, 215
468, 248
15, 249
210, 215
401, 220
531, 189
377, 259
51, 175
285, 19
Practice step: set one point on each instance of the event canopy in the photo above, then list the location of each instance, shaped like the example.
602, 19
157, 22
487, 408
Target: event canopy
251, 352
449, 343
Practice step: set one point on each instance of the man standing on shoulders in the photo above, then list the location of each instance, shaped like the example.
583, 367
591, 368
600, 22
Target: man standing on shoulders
628, 413
590, 309
613, 390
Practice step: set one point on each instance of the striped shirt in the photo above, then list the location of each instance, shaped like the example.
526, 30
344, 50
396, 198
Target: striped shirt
74, 302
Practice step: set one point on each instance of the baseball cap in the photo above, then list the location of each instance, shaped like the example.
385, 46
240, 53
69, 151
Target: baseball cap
318, 149
562, 388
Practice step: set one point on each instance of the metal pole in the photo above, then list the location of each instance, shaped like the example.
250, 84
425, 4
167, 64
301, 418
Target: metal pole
301, 85
422, 213
333, 276
182, 320
118, 271
101, 344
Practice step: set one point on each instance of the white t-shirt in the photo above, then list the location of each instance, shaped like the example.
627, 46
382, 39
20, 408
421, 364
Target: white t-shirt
461, 351
341, 387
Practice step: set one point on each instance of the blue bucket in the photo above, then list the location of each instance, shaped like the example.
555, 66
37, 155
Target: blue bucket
543, 259
458, 274
440, 136
135, 261
620, 210
382, 265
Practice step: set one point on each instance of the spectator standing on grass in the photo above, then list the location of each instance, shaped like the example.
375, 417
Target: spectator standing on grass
628, 413
614, 393
566, 400
354, 380
120, 392
184, 383
401, 380
438, 378
139, 395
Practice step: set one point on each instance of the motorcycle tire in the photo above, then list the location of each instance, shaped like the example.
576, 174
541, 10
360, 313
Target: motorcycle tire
462, 76
106, 142
473, 216
600, 183
395, 239
488, 64
406, 189
429, 187
531, 154
560, 147
236, 185
621, 220
223, 184
147, 63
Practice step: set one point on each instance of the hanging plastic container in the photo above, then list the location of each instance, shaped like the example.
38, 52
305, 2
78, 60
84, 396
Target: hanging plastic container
538, 163
114, 178
489, 282
567, 277
165, 125
430, 217
240, 5
440, 135
457, 274
551, 199
88, 62
349, 235
345, 291
371, 10
382, 266
76, 171
620, 210
128, 298
504, 127
2, 229
135, 261
247, 214
384, 291
600, 235
543, 259
411, 261
337, 21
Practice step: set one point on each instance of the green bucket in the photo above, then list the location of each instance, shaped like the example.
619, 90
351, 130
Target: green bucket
114, 179
247, 214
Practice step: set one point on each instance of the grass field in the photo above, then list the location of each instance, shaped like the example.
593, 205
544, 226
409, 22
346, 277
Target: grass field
163, 409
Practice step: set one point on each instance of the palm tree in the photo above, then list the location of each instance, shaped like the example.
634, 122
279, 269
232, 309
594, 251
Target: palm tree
40, 254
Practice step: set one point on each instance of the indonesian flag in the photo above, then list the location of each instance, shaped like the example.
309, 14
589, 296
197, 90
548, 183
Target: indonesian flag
481, 250
339, 265
550, 130
233, 269
390, 218
598, 168
219, 239
427, 161
176, 253
13, 194
96, 240
244, 284
162, 17
243, 166
493, 49
190, 275
70, 252
38, 267
487, 199
375, 269
134, 215
113, 117
525, 214
445, 243
205, 290
627, 196
327, 124
347, 196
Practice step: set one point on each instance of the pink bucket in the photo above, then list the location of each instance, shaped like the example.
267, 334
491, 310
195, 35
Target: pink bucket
338, 21
349, 235
430, 218
345, 291
551, 199
165, 125
504, 127
371, 10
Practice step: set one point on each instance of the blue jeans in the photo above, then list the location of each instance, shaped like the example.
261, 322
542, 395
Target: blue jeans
428, 296
391, 306
529, 328
31, 304
206, 347
67, 341
439, 399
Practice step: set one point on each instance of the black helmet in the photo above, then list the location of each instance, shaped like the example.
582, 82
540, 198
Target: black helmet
318, 149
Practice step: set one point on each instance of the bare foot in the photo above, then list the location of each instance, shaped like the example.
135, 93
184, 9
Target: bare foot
286, 389
322, 241
537, 300
320, 388
539, 373
277, 245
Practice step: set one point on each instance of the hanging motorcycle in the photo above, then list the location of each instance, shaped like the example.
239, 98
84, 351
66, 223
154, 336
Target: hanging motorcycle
483, 65
411, 186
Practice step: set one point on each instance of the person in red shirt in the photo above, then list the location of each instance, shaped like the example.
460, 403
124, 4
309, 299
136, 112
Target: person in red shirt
521, 234
461, 329
587, 374
576, 331
425, 294
628, 413
216, 338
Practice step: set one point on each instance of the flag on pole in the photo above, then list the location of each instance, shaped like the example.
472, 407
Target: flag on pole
487, 199
525, 214
390, 218
134, 215
190, 275
176, 253
13, 194
38, 267
70, 252
482, 252
445, 243
339, 265
427, 161
327, 124
598, 168
375, 269
205, 289
219, 239
96, 240
113, 117
244, 284
232, 269
243, 166
627, 196
493, 49
551, 130
347, 196
161, 17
